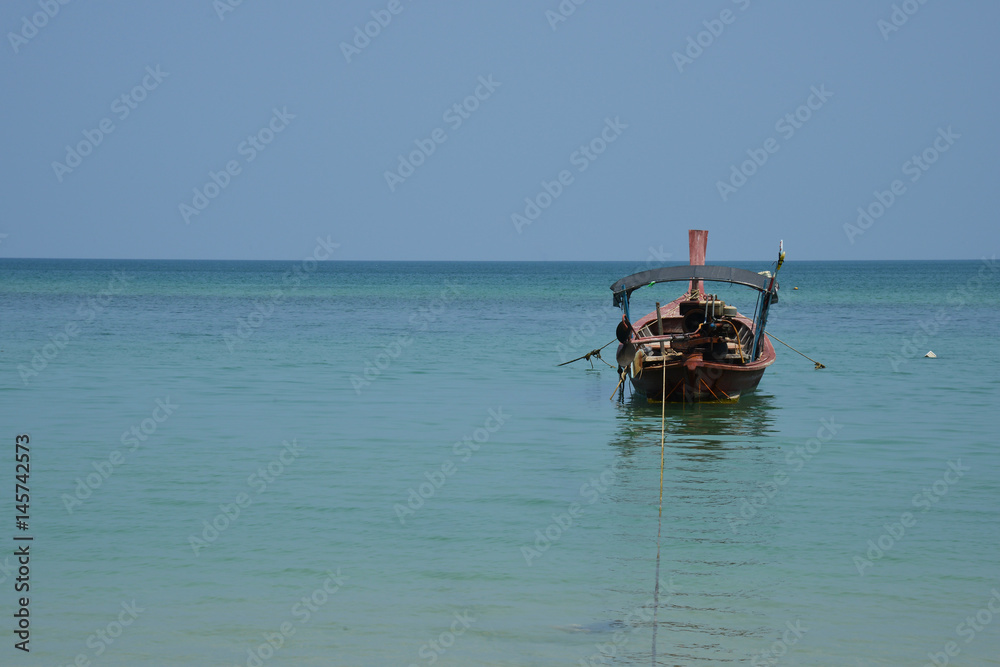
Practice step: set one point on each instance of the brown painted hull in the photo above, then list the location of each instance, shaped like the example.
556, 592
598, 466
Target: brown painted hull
694, 380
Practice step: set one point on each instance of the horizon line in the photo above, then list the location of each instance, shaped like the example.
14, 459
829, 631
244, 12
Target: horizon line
480, 261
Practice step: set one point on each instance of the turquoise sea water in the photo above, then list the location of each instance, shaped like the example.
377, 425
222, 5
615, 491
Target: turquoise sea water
417, 483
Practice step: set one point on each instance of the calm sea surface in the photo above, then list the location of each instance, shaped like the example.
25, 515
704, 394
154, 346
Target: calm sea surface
379, 463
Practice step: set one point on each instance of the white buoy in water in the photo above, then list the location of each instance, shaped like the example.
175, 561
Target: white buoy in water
930, 355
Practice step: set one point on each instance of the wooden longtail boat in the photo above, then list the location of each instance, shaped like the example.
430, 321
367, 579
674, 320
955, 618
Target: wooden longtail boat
696, 348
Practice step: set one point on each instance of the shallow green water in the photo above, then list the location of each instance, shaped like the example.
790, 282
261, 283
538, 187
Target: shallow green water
462, 475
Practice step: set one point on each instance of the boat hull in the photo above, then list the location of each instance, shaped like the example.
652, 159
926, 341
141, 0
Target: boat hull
692, 379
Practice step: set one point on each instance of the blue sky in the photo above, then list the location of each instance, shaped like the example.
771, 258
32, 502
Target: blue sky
624, 123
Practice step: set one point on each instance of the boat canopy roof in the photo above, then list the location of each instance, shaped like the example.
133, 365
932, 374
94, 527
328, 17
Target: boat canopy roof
722, 274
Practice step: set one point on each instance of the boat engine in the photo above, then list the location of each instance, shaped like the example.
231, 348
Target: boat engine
708, 318
693, 319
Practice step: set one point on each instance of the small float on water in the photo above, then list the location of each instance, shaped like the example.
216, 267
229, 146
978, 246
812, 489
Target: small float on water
697, 348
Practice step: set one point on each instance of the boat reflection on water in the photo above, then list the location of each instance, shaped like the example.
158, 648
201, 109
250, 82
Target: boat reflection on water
704, 426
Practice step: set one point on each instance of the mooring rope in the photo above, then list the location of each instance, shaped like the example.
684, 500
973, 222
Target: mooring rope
818, 365
592, 353
659, 523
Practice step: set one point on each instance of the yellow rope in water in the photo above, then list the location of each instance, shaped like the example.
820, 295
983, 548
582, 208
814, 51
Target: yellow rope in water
659, 527
663, 418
